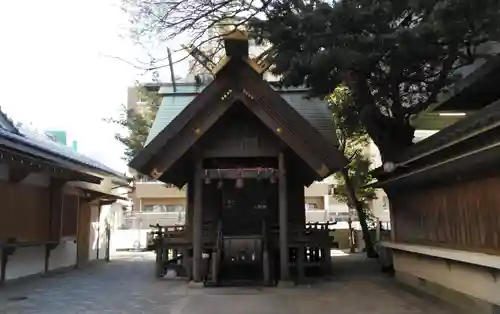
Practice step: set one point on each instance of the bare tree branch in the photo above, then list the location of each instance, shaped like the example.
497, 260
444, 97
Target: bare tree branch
199, 21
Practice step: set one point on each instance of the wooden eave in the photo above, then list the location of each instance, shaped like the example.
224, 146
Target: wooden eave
30, 163
451, 153
475, 91
249, 88
475, 124
38, 158
480, 163
104, 198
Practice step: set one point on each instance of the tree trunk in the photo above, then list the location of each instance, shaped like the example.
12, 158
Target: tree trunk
352, 245
391, 136
351, 194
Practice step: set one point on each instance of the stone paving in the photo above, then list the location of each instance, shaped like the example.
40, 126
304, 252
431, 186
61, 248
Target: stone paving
126, 285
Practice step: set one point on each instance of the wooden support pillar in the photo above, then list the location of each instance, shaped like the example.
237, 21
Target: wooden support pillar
55, 218
283, 220
108, 241
56, 208
377, 230
265, 265
187, 260
300, 263
198, 223
215, 267
99, 208
159, 261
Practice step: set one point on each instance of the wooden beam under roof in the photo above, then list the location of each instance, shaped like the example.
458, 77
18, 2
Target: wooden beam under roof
473, 92
18, 174
32, 164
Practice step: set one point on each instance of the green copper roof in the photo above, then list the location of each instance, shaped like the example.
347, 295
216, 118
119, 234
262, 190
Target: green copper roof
315, 111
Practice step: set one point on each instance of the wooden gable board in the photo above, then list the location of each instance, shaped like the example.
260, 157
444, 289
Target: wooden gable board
314, 143
293, 121
140, 161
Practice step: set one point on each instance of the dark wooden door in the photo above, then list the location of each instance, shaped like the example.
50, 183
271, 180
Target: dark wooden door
244, 209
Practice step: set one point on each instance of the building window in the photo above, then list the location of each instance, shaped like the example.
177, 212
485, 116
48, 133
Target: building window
163, 208
311, 206
385, 203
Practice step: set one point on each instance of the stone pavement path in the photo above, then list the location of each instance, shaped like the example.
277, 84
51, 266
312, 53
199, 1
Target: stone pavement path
126, 285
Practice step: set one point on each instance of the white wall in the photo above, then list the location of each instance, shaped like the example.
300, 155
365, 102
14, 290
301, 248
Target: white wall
25, 262
64, 255
475, 281
97, 239
128, 239
31, 260
93, 235
380, 206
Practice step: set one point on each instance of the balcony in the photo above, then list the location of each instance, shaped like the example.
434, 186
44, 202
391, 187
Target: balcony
138, 220
317, 190
156, 189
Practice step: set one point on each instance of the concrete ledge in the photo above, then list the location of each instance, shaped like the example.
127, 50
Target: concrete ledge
464, 302
286, 284
196, 285
480, 259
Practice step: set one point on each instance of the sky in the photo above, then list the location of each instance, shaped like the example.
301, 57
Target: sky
56, 73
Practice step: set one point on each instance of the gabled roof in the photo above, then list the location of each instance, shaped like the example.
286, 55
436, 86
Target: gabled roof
237, 81
314, 110
13, 138
6, 123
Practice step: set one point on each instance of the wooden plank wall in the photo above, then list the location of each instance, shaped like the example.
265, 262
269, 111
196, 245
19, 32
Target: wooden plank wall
70, 215
83, 237
464, 216
24, 212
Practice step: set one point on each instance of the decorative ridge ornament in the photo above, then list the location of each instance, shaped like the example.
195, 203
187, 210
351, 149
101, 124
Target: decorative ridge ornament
236, 44
236, 34
201, 57
221, 64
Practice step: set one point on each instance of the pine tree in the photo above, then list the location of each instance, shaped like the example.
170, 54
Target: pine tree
352, 182
395, 55
137, 122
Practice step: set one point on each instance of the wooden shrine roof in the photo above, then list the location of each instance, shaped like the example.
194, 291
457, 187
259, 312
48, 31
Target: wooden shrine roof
314, 110
306, 130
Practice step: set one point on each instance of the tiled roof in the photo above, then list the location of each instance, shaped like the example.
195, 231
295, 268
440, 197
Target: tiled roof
51, 148
6, 123
315, 111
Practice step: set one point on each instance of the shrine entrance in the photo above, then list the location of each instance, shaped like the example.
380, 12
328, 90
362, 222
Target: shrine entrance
245, 154
246, 213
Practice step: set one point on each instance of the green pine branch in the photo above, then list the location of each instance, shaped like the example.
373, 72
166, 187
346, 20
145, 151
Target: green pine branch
136, 122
